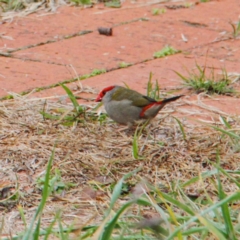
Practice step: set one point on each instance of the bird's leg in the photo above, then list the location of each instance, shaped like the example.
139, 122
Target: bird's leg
127, 128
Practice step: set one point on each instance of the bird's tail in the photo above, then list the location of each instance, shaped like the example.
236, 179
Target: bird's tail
152, 109
167, 100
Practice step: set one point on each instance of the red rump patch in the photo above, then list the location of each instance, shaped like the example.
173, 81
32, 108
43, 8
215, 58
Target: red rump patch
147, 107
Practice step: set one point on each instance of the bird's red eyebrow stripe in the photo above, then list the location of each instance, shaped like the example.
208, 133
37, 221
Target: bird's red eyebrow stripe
147, 107
108, 88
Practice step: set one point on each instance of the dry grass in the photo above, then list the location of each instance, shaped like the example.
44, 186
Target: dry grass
93, 155
20, 8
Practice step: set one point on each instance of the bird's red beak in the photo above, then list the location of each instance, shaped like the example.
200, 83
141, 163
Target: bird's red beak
99, 98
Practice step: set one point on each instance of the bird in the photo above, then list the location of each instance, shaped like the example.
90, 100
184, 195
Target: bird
126, 106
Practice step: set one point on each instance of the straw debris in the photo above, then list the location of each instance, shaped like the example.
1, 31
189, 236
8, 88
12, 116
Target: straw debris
92, 154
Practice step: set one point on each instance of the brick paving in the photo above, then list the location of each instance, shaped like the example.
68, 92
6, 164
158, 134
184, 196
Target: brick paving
46, 49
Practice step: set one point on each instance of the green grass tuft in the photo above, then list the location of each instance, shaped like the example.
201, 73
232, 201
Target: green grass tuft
201, 82
82, 2
235, 28
78, 114
113, 4
153, 90
166, 51
56, 184
94, 73
179, 215
124, 64
157, 11
9, 5
229, 132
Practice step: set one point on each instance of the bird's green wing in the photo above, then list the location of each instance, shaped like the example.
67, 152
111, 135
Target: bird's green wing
137, 99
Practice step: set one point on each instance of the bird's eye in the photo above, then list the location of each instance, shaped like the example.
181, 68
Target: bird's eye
104, 92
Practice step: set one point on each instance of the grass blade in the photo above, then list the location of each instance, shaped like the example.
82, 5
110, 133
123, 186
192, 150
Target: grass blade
37, 230
45, 194
224, 207
225, 122
233, 197
71, 97
211, 228
110, 227
229, 133
181, 128
118, 187
196, 179
135, 144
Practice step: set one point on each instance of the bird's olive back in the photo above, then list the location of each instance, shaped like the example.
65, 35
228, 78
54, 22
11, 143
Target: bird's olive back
137, 99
